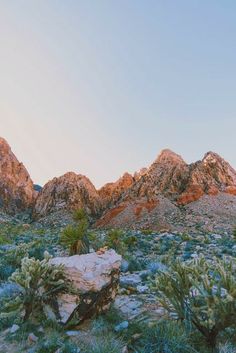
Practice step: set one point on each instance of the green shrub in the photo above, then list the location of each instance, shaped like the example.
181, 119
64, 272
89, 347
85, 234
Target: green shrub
227, 348
116, 241
50, 343
136, 264
164, 337
79, 215
103, 344
130, 241
234, 233
147, 231
4, 240
202, 293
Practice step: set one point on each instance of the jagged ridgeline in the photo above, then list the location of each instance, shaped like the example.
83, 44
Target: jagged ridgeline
169, 192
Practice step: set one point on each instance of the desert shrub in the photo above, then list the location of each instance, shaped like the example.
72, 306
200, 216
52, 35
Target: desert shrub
112, 316
116, 241
7, 320
100, 326
147, 231
154, 267
164, 337
53, 342
105, 344
40, 282
3, 240
185, 237
11, 258
136, 264
130, 241
227, 348
95, 240
79, 215
234, 233
202, 293
5, 270
75, 236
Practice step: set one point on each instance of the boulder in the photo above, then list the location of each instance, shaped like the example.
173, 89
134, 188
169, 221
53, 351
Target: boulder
95, 278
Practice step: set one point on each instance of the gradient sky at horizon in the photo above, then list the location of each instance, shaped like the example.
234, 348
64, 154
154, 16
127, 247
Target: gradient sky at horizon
99, 87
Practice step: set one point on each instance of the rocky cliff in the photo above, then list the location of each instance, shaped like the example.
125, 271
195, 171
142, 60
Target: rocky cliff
153, 199
16, 187
68, 192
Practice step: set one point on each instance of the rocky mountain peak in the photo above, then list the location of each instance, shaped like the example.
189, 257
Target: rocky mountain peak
168, 156
110, 193
67, 192
212, 157
16, 188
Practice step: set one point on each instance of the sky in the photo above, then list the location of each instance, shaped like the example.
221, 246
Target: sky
100, 87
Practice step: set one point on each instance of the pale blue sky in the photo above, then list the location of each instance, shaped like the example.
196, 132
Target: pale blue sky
99, 87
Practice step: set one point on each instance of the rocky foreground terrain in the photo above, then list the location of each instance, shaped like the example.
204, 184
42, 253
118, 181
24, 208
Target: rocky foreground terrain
171, 220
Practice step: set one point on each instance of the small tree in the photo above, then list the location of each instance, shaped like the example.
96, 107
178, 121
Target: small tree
201, 292
40, 283
75, 236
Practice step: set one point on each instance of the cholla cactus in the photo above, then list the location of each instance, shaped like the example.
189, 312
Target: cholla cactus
40, 282
202, 292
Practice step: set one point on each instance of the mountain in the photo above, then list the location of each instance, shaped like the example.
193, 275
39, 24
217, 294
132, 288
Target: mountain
169, 192
161, 195
16, 187
68, 192
110, 193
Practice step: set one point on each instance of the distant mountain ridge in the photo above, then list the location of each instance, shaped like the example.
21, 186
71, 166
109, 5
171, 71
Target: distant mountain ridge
168, 184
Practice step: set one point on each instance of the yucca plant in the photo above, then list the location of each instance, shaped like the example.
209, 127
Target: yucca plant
116, 240
234, 233
202, 293
75, 236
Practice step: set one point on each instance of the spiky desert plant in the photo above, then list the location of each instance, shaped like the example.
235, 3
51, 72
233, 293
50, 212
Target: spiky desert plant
40, 282
164, 336
202, 293
116, 241
79, 215
75, 236
104, 344
234, 233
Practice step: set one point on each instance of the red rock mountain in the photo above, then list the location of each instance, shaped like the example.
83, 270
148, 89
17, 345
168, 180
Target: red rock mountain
167, 184
167, 191
112, 192
68, 192
16, 188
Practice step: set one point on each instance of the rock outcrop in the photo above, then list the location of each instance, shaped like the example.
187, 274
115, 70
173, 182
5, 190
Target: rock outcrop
16, 187
67, 192
111, 193
209, 176
95, 277
169, 182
